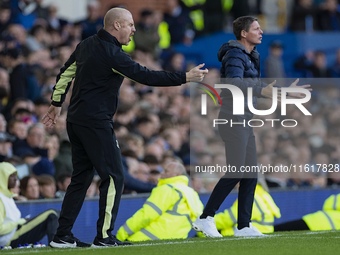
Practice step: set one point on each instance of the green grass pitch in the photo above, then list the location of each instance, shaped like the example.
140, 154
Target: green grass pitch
285, 243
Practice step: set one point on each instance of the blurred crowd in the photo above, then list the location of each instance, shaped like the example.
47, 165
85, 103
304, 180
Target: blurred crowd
152, 124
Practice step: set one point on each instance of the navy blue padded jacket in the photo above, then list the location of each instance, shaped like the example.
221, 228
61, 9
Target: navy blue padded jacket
242, 69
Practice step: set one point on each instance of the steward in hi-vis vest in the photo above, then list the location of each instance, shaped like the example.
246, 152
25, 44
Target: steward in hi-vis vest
168, 212
326, 219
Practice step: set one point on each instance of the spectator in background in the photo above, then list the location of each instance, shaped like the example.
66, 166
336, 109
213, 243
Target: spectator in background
214, 16
93, 21
18, 131
6, 141
274, 66
195, 13
18, 128
143, 173
52, 144
37, 38
146, 37
43, 166
144, 128
23, 84
319, 68
168, 211
153, 116
15, 230
16, 192
154, 175
19, 35
34, 146
313, 64
47, 186
134, 143
274, 14
176, 62
54, 22
25, 115
328, 17
20, 104
155, 168
63, 180
5, 15
173, 139
30, 187
181, 27
156, 149
23, 12
303, 16
4, 88
132, 183
34, 142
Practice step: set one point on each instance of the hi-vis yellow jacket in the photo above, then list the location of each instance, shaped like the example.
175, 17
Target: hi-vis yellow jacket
264, 212
326, 219
166, 214
164, 39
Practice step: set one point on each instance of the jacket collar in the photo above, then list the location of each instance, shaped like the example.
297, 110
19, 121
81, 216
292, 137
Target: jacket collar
103, 34
236, 44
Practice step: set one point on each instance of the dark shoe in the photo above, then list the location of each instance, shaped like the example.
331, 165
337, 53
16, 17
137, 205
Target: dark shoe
68, 241
107, 242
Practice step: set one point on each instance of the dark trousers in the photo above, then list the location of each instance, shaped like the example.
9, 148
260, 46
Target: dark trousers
93, 149
36, 228
240, 151
291, 226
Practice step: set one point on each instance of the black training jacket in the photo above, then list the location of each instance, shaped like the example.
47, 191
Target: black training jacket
98, 66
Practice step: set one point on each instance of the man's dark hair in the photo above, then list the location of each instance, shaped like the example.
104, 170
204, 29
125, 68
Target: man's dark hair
242, 23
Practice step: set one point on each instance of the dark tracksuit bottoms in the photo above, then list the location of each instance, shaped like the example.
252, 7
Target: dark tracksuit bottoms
240, 151
36, 228
93, 149
293, 225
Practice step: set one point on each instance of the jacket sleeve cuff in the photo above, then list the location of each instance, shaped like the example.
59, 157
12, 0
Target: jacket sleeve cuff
184, 77
57, 104
257, 91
